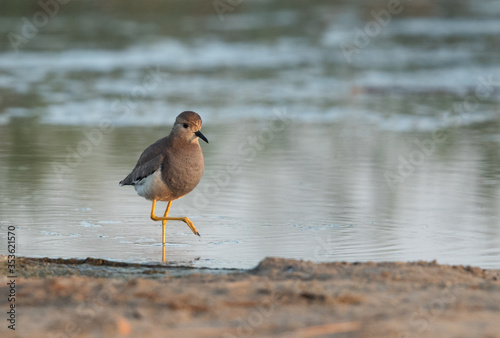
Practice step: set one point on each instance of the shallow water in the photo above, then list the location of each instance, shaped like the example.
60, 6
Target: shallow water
393, 156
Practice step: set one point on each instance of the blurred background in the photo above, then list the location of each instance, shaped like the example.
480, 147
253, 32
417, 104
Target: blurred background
339, 130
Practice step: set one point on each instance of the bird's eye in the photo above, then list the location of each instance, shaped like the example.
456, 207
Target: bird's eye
185, 125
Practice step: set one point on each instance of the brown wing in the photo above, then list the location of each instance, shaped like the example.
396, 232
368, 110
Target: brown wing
149, 161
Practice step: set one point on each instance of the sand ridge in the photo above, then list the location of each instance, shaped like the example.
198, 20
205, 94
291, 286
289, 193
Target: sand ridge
280, 297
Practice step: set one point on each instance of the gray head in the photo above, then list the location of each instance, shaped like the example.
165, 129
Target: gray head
187, 126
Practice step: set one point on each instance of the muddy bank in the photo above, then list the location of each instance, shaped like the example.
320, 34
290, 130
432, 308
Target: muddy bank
280, 297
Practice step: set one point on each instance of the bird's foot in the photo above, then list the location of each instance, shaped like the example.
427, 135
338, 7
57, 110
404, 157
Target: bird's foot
190, 225
183, 219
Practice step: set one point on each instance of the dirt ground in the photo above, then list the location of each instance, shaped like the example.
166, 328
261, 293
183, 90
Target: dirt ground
279, 298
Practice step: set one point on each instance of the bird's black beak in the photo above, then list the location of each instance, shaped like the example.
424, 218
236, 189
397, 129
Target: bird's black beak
200, 135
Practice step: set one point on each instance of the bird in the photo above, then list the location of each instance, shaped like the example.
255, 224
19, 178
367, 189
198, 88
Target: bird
171, 168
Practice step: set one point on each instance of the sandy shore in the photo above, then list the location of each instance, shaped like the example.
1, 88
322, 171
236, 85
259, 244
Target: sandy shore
280, 297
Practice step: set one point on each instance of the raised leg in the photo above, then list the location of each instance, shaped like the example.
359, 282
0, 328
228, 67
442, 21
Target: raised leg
165, 218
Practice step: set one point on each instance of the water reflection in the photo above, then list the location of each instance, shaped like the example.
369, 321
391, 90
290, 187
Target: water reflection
312, 192
333, 184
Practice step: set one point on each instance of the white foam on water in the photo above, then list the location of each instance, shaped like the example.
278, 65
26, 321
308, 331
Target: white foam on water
217, 78
440, 27
169, 53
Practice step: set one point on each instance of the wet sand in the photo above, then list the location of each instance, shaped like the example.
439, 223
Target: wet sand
280, 297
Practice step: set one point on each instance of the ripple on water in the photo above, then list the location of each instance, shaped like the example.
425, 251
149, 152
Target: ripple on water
89, 224
315, 189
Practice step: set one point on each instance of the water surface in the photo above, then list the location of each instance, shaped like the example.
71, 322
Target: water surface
391, 156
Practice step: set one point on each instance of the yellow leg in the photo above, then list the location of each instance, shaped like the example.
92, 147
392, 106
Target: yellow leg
164, 223
165, 218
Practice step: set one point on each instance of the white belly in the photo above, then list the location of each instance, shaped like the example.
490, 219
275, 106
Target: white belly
153, 188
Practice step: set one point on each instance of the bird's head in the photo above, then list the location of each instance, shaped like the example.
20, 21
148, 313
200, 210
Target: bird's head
187, 126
